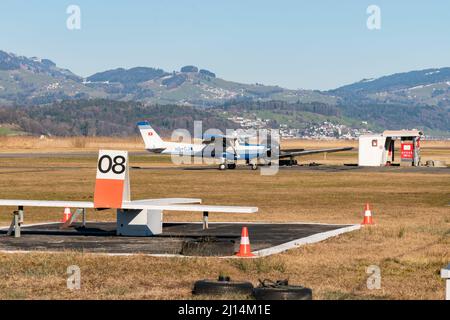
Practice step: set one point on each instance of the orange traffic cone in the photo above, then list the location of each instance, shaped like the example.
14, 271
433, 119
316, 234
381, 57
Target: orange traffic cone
67, 215
367, 215
244, 248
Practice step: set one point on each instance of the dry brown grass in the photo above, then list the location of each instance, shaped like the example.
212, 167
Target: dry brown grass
19, 144
410, 241
431, 150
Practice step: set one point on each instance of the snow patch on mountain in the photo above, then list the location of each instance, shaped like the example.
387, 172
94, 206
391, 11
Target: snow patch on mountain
432, 72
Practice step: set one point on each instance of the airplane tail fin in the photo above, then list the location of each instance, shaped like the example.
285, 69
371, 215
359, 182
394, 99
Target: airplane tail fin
151, 139
112, 186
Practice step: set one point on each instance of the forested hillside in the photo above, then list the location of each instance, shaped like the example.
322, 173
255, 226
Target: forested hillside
115, 118
105, 118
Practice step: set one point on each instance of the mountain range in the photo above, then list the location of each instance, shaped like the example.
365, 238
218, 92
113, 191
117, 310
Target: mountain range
423, 87
387, 100
31, 81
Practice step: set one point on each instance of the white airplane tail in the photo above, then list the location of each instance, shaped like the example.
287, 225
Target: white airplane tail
112, 186
151, 139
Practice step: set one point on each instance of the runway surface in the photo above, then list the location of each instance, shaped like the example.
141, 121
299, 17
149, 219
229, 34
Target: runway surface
101, 238
301, 167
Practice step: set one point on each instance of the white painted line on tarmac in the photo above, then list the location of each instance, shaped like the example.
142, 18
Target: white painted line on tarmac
307, 240
264, 222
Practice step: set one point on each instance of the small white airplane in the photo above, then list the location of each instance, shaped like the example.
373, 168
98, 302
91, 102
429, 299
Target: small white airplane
112, 191
231, 150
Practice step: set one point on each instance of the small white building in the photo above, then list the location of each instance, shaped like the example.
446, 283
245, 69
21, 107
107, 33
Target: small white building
371, 150
377, 150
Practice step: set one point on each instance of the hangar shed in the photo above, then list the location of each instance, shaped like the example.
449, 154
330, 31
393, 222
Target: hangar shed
377, 150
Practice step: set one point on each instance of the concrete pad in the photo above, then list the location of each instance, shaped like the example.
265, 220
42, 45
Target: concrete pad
100, 237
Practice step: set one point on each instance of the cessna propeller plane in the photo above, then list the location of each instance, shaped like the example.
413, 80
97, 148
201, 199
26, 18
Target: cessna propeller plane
112, 191
231, 149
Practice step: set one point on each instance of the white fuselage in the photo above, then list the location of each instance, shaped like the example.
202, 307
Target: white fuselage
238, 152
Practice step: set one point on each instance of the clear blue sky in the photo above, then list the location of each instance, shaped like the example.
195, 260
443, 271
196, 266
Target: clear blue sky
295, 44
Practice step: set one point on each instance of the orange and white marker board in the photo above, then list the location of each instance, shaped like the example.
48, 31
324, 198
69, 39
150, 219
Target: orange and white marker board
112, 186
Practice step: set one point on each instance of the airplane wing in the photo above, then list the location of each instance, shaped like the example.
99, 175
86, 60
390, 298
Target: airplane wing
188, 207
294, 150
169, 204
226, 141
47, 204
87, 205
295, 153
211, 138
167, 201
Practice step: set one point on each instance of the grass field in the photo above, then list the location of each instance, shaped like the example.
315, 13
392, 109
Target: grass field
410, 242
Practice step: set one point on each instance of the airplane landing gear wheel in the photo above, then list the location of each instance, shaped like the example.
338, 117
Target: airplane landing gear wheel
222, 167
254, 166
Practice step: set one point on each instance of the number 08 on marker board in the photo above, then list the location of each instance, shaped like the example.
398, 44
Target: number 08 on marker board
112, 186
